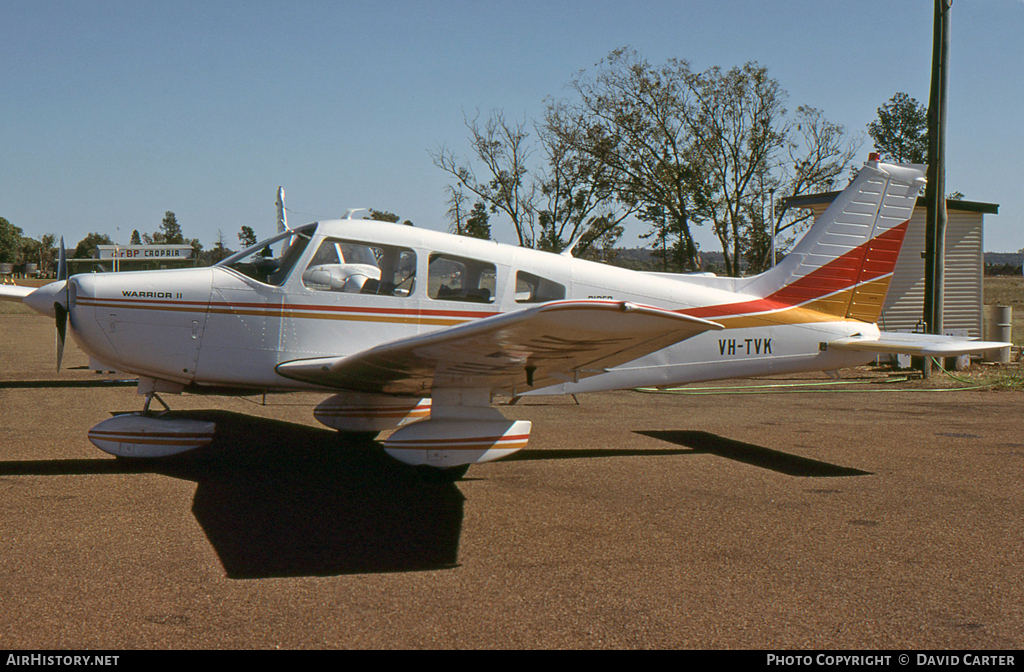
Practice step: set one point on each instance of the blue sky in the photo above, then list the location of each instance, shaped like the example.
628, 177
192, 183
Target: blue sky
113, 112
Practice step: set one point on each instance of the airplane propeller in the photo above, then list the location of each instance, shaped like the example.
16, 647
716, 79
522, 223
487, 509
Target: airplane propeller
60, 310
55, 299
62, 326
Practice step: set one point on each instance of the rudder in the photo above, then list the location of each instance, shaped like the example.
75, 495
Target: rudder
843, 264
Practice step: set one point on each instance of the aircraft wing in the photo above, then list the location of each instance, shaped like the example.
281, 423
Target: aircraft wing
916, 344
14, 292
527, 349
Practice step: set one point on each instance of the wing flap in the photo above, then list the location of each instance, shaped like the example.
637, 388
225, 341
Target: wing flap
531, 348
916, 344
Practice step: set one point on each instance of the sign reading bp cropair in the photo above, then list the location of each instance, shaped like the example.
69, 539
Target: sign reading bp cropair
143, 252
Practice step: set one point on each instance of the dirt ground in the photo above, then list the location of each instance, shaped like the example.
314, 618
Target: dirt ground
771, 514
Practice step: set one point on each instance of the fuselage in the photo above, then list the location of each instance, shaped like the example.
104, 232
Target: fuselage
345, 286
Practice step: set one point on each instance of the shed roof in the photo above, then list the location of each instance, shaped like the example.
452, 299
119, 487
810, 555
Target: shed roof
810, 200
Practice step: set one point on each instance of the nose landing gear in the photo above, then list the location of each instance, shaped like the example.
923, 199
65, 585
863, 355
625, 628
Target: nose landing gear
149, 433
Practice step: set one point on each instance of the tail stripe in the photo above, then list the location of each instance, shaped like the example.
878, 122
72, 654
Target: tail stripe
838, 275
843, 263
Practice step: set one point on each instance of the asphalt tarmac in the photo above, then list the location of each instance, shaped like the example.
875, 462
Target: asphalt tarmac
830, 517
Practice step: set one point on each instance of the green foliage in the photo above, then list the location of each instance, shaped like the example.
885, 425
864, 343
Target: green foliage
136, 238
900, 132
247, 237
478, 222
1003, 269
475, 223
30, 251
549, 205
219, 251
10, 241
47, 253
85, 246
385, 216
171, 230
673, 147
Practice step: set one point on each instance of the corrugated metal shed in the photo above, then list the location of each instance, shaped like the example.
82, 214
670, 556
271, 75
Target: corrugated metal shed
964, 266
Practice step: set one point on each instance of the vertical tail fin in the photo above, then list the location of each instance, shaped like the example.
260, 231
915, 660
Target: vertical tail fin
843, 265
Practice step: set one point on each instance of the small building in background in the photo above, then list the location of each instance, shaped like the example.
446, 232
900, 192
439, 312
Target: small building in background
113, 258
964, 270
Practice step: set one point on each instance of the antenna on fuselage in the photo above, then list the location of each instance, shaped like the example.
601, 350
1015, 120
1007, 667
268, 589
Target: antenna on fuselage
567, 252
348, 213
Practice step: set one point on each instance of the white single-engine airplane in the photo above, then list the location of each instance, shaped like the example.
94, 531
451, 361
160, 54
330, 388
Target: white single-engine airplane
417, 331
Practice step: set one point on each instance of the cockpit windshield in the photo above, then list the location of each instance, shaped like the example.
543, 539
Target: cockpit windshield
260, 262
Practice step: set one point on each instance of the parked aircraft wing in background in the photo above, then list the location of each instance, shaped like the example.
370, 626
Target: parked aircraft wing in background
14, 292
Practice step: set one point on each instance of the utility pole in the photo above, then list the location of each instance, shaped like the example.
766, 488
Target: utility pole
935, 224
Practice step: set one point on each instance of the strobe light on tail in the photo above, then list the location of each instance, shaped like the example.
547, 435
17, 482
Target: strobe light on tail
438, 325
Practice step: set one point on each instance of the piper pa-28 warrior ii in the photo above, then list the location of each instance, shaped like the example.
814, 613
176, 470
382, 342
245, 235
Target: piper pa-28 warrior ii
417, 331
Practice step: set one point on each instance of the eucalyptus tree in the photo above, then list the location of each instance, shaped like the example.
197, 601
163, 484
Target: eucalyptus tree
684, 148
503, 150
552, 194
817, 158
673, 147
632, 119
738, 121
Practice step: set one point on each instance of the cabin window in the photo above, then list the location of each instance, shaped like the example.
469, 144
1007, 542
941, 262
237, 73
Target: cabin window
261, 263
532, 288
361, 268
452, 278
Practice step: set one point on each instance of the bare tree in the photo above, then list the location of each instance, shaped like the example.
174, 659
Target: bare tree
818, 155
504, 150
553, 193
581, 204
631, 118
738, 126
456, 209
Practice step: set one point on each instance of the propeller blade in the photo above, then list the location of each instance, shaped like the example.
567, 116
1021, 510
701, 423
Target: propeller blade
60, 310
62, 262
62, 327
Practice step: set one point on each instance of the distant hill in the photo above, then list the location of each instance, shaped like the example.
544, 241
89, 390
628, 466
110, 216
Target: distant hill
1013, 258
1004, 263
643, 259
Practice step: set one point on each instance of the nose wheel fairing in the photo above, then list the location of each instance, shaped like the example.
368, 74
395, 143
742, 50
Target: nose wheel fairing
141, 435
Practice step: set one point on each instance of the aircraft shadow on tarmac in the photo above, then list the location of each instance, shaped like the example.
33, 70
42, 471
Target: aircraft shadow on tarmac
748, 453
277, 499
